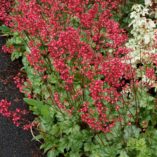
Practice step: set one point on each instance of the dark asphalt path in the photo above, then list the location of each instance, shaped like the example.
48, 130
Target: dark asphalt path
14, 142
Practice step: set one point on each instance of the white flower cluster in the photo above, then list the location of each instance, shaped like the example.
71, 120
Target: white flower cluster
148, 2
143, 33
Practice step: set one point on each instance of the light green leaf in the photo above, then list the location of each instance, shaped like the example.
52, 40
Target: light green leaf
123, 154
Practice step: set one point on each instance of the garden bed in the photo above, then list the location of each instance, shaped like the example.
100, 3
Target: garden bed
88, 75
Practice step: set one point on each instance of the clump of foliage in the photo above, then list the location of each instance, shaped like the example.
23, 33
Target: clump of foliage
86, 82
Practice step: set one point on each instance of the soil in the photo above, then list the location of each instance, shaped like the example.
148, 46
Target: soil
14, 142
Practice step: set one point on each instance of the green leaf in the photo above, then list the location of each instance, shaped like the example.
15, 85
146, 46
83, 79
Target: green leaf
131, 131
64, 144
52, 153
74, 154
5, 30
15, 55
123, 154
39, 108
75, 22
33, 102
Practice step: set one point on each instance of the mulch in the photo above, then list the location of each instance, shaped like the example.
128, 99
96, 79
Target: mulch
14, 142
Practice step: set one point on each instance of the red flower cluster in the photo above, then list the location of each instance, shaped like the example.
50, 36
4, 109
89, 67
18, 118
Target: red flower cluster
18, 80
4, 106
17, 116
5, 7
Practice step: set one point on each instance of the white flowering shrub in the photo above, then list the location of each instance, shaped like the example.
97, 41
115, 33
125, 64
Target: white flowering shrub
143, 43
143, 33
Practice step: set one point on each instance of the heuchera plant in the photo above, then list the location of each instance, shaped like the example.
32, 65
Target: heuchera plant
74, 43
89, 97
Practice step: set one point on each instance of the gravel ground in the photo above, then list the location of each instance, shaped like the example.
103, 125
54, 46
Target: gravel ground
14, 142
